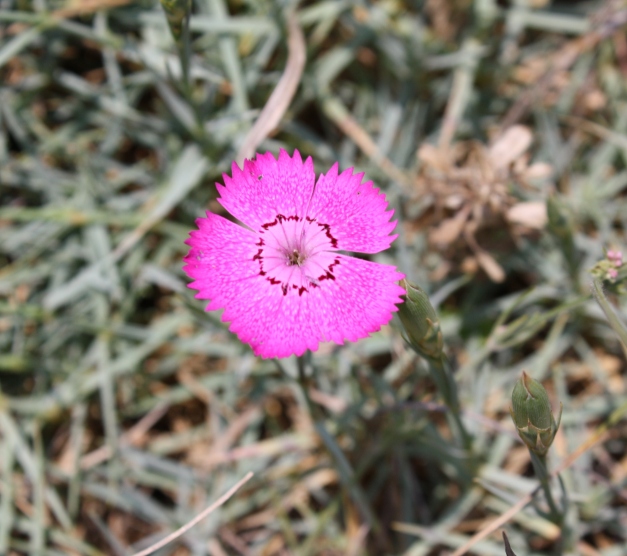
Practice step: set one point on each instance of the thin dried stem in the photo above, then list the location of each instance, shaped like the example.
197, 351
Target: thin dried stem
282, 95
202, 515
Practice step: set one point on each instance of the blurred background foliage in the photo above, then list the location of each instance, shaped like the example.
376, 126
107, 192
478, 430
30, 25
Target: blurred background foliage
497, 129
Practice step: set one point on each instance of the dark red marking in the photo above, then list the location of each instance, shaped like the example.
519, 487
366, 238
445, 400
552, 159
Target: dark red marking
268, 225
329, 275
327, 231
279, 219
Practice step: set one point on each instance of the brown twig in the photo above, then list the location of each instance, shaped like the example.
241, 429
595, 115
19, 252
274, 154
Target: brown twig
85, 7
202, 515
461, 89
283, 93
606, 24
338, 113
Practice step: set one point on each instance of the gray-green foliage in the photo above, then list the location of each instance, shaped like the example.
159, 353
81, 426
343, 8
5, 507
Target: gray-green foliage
106, 159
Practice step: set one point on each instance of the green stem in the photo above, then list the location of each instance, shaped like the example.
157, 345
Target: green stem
542, 472
616, 324
443, 377
302, 381
345, 470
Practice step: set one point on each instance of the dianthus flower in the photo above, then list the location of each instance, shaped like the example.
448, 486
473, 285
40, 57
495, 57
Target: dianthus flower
282, 280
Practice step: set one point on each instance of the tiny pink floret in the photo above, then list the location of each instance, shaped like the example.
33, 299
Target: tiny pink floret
283, 281
616, 257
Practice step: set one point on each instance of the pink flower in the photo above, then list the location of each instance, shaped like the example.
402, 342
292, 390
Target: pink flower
282, 280
615, 257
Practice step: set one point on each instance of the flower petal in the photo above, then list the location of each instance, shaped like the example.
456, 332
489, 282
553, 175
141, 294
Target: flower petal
220, 260
267, 187
359, 300
355, 212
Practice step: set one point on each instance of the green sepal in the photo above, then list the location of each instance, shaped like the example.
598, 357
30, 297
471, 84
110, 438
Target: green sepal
420, 321
532, 414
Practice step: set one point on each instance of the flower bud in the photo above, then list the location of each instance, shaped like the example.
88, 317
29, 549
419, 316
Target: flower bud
560, 219
176, 11
420, 322
532, 415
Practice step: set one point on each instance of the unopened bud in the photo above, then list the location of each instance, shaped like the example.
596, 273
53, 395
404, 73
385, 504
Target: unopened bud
560, 219
176, 11
615, 257
532, 415
420, 322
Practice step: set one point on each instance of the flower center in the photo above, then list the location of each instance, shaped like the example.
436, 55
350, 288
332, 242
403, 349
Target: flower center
296, 253
296, 258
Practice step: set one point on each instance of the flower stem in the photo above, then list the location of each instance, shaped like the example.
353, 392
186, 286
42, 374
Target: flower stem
445, 382
541, 469
342, 465
302, 381
557, 514
616, 324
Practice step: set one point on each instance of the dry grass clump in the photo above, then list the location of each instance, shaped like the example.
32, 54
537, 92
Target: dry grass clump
471, 189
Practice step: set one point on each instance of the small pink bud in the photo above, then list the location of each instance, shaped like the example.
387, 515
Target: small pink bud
612, 274
615, 257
